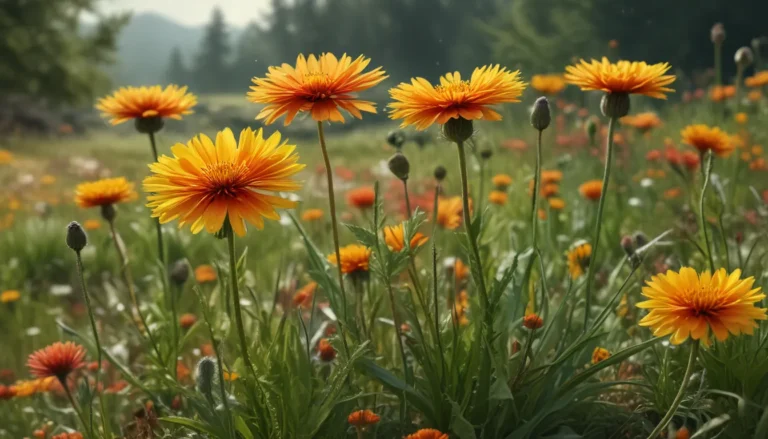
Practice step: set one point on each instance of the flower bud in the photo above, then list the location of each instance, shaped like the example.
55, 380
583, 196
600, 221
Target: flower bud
540, 116
396, 138
206, 375
179, 272
744, 57
76, 237
615, 105
440, 173
640, 239
486, 154
717, 34
149, 125
591, 128
533, 322
108, 212
628, 245
399, 166
458, 130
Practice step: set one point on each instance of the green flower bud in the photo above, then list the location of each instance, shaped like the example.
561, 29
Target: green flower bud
541, 116
440, 173
399, 166
486, 154
396, 138
179, 272
76, 237
206, 376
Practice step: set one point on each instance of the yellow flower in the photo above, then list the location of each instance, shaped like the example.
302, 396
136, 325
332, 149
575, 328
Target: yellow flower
104, 192
600, 354
757, 150
318, 85
92, 224
230, 376
688, 304
502, 181
759, 79
591, 189
450, 211
621, 77
145, 102
703, 138
578, 258
5, 157
47, 179
354, 258
642, 121
422, 104
551, 84
395, 239
310, 215
556, 204
741, 118
498, 198
10, 296
205, 183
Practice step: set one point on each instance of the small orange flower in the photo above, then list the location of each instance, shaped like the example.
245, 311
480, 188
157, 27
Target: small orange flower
230, 376
427, 433
754, 95
6, 392
104, 192
578, 258
704, 138
47, 179
642, 121
741, 118
556, 204
205, 273
498, 198
720, 93
550, 190
187, 320
690, 159
682, 433
515, 144
303, 297
591, 189
362, 197
672, 193
182, 371
56, 360
600, 354
354, 258
394, 237
501, 181
10, 296
551, 84
533, 321
326, 351
551, 176
758, 80
450, 212
460, 270
653, 155
74, 435
363, 418
311, 215
6, 157
92, 224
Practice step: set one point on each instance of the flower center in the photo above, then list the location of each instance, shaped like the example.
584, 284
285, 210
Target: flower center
453, 88
317, 85
703, 301
225, 179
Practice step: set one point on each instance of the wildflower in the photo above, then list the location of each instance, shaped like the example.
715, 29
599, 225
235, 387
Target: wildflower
501, 181
354, 258
515, 144
653, 155
688, 304
460, 270
755, 95
600, 354
549, 190
757, 150
10, 296
533, 321
394, 237
204, 184
73, 435
758, 80
556, 203
578, 258
741, 118
672, 193
5, 157
230, 376
6, 392
720, 93
319, 85
205, 273
690, 159
427, 433
362, 197
187, 320
550, 84
449, 212
422, 104
142, 103
591, 189
92, 224
363, 418
743, 57
56, 360
47, 180
326, 351
311, 215
498, 197
704, 138
642, 121
551, 176
104, 192
304, 295
682, 433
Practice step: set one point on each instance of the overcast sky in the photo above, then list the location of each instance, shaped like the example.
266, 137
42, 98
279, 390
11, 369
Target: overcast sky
193, 12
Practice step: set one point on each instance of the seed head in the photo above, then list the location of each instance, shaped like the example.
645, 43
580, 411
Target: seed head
744, 57
206, 374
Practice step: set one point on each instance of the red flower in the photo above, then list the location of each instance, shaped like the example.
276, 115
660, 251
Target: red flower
187, 320
6, 392
57, 360
363, 418
427, 433
691, 160
326, 351
362, 197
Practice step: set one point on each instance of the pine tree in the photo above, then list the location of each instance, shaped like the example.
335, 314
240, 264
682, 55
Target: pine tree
212, 69
177, 72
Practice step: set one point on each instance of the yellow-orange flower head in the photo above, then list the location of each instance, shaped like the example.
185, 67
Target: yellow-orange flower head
551, 84
704, 138
591, 190
354, 258
319, 85
642, 121
145, 102
205, 183
422, 104
578, 258
394, 236
621, 77
450, 212
688, 304
104, 192
759, 79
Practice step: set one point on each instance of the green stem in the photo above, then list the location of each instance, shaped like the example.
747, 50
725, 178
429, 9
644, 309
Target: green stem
707, 172
599, 221
739, 76
158, 227
468, 221
335, 229
481, 195
680, 393
396, 319
175, 331
526, 352
407, 198
437, 311
718, 70
76, 408
236, 299
535, 202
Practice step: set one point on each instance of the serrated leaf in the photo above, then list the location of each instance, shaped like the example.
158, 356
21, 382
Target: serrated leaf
365, 236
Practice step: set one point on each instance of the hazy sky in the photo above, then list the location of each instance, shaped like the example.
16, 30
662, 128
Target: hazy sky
193, 12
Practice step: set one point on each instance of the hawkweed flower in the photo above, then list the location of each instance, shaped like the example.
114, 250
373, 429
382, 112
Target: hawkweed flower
57, 360
600, 354
395, 239
591, 190
312, 215
354, 259
362, 197
187, 320
70, 435
551, 176
206, 184
427, 433
320, 85
556, 203
501, 181
303, 297
643, 122
758, 80
362, 419
6, 392
497, 197
148, 106
549, 84
326, 351
705, 138
449, 212
579, 257
205, 273
682, 433
6, 157
10, 296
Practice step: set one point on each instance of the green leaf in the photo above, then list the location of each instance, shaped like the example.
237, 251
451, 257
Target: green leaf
242, 428
459, 425
399, 386
365, 236
191, 424
712, 425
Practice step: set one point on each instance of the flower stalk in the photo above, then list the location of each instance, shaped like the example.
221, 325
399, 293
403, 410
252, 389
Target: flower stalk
703, 220
680, 393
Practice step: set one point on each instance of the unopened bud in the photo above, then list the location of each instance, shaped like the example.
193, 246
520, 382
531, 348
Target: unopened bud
458, 130
628, 245
615, 105
399, 166
717, 34
486, 154
744, 57
396, 138
206, 374
591, 129
149, 125
440, 173
108, 212
76, 237
541, 116
640, 239
179, 272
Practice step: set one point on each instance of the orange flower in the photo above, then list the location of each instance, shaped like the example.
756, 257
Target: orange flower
754, 95
720, 93
501, 181
498, 197
363, 418
394, 237
682, 433
741, 118
427, 433
642, 121
74, 435
533, 321
515, 144
690, 159
551, 176
205, 273
578, 258
450, 212
551, 84
147, 102
56, 360
758, 80
621, 77
326, 351
550, 190
92, 224
591, 189
311, 215
423, 104
362, 197
704, 138
6, 392
600, 354
556, 204
104, 192
187, 320
303, 297
318, 85
460, 270
653, 155
672, 193
354, 258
